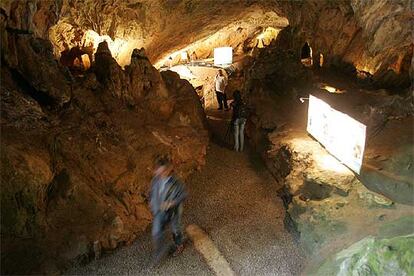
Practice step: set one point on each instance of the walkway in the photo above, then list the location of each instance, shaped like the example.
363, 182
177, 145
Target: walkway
233, 199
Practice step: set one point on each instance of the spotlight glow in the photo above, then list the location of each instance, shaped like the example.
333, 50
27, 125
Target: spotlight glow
120, 49
183, 71
261, 36
330, 89
223, 55
184, 56
328, 162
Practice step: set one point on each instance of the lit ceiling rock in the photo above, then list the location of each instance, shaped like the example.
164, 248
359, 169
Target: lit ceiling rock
242, 35
161, 27
373, 36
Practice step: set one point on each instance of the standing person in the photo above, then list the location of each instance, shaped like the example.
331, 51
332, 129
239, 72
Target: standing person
166, 200
193, 58
169, 62
220, 84
239, 118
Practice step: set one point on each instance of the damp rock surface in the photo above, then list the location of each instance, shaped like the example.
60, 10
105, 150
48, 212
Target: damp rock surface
77, 154
329, 207
372, 255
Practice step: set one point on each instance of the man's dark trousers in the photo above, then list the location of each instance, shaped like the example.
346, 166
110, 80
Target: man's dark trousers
161, 221
221, 98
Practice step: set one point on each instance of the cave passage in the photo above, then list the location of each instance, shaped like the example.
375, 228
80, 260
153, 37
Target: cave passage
306, 55
306, 51
232, 198
93, 91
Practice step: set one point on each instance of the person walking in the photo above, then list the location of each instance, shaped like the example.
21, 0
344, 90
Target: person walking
239, 118
220, 82
166, 201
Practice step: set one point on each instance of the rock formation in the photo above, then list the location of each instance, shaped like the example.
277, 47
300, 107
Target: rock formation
76, 156
367, 36
328, 206
76, 149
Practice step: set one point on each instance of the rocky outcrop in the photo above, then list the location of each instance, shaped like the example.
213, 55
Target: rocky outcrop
77, 153
369, 38
390, 253
328, 206
324, 199
384, 114
34, 62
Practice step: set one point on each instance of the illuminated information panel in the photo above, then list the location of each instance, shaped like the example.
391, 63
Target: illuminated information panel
341, 135
223, 55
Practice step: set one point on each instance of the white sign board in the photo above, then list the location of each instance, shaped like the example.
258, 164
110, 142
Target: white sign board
223, 55
341, 135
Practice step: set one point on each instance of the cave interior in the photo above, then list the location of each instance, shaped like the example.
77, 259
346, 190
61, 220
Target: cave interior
92, 90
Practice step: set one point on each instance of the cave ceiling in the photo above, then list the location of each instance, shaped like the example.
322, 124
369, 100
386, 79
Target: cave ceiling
161, 27
374, 36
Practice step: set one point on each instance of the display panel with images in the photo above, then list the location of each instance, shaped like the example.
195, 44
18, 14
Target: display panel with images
340, 134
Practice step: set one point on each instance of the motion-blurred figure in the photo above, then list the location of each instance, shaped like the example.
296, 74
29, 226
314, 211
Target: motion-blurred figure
166, 199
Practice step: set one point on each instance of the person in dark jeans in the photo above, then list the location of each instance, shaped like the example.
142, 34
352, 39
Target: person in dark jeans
166, 200
220, 82
239, 119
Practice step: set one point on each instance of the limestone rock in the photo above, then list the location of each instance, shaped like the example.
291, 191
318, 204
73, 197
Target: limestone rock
372, 198
380, 256
82, 169
108, 72
32, 63
371, 36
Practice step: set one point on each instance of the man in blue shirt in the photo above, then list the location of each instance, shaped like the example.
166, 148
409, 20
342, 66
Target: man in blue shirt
166, 200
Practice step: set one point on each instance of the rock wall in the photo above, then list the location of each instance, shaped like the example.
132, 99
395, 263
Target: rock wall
371, 37
329, 207
76, 153
372, 255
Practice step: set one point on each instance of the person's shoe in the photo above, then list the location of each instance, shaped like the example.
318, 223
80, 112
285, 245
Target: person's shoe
178, 250
220, 108
160, 254
227, 109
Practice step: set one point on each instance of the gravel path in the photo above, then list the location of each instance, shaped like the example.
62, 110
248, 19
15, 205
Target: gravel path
234, 200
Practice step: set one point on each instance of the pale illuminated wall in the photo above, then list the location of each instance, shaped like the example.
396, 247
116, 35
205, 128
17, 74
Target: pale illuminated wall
121, 49
64, 36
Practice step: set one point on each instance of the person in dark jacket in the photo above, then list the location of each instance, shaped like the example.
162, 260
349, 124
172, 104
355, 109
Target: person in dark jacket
239, 119
166, 200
